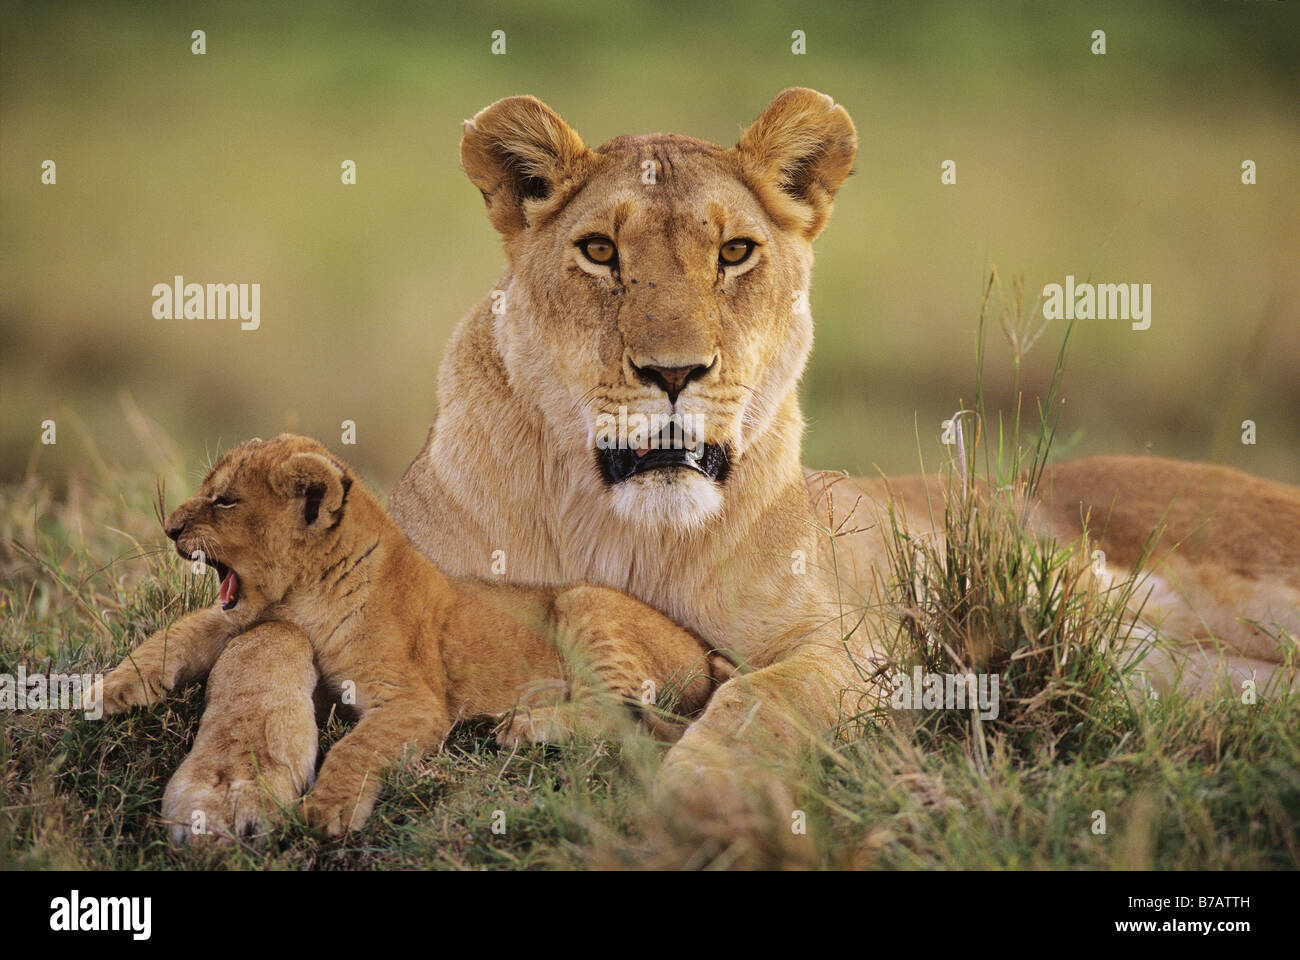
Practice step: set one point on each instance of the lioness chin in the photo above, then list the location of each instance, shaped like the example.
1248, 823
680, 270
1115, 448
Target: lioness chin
319, 588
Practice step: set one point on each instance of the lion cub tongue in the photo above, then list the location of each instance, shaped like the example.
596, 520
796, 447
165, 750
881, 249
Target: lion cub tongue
229, 591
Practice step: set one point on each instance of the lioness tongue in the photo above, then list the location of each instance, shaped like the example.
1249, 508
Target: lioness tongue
229, 588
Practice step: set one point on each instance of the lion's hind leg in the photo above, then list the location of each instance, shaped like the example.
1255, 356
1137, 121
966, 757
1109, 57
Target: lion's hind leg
617, 652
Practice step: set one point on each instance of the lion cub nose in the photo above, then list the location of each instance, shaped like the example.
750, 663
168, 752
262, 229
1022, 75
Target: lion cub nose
174, 531
671, 380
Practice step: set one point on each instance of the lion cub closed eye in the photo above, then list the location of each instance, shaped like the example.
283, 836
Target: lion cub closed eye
332, 594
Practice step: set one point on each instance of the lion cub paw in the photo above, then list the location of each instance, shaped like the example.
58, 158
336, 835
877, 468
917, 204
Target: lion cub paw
527, 726
334, 818
129, 685
224, 790
556, 723
226, 810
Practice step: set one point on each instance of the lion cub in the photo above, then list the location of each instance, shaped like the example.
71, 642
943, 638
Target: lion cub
320, 588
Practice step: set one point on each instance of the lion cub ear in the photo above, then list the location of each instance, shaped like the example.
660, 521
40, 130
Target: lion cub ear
523, 158
798, 153
318, 480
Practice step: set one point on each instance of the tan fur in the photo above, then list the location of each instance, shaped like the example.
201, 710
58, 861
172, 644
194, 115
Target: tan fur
1218, 552
508, 463
332, 593
1224, 570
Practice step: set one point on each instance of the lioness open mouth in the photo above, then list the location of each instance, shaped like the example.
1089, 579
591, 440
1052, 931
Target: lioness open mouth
622, 463
228, 592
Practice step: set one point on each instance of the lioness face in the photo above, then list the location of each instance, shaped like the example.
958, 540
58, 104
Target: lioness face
256, 518
657, 297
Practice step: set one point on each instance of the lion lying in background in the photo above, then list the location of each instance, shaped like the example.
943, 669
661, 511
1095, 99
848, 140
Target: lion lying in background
319, 586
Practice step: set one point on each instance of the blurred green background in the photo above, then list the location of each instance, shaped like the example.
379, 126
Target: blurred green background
226, 168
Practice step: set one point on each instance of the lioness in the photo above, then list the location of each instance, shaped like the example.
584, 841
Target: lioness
318, 586
659, 276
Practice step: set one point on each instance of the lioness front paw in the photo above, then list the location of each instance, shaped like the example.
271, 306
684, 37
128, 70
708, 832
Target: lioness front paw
726, 811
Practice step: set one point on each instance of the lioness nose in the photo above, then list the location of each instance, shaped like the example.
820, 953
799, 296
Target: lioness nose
174, 531
671, 380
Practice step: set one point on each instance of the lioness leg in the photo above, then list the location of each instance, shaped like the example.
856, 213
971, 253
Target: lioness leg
731, 776
256, 747
616, 649
174, 656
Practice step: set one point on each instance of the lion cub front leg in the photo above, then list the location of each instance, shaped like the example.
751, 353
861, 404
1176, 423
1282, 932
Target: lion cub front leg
413, 721
172, 657
255, 752
617, 650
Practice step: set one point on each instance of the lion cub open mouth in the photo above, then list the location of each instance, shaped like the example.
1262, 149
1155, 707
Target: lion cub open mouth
228, 592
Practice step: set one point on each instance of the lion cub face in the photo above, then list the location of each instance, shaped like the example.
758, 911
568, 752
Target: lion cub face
258, 517
657, 305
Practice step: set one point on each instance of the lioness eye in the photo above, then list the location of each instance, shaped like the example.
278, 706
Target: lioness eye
225, 500
736, 251
599, 250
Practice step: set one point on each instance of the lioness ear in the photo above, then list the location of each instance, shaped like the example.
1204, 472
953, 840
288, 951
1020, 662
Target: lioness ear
523, 158
317, 480
798, 153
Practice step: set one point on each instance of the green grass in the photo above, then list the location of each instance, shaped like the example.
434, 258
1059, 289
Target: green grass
1182, 784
